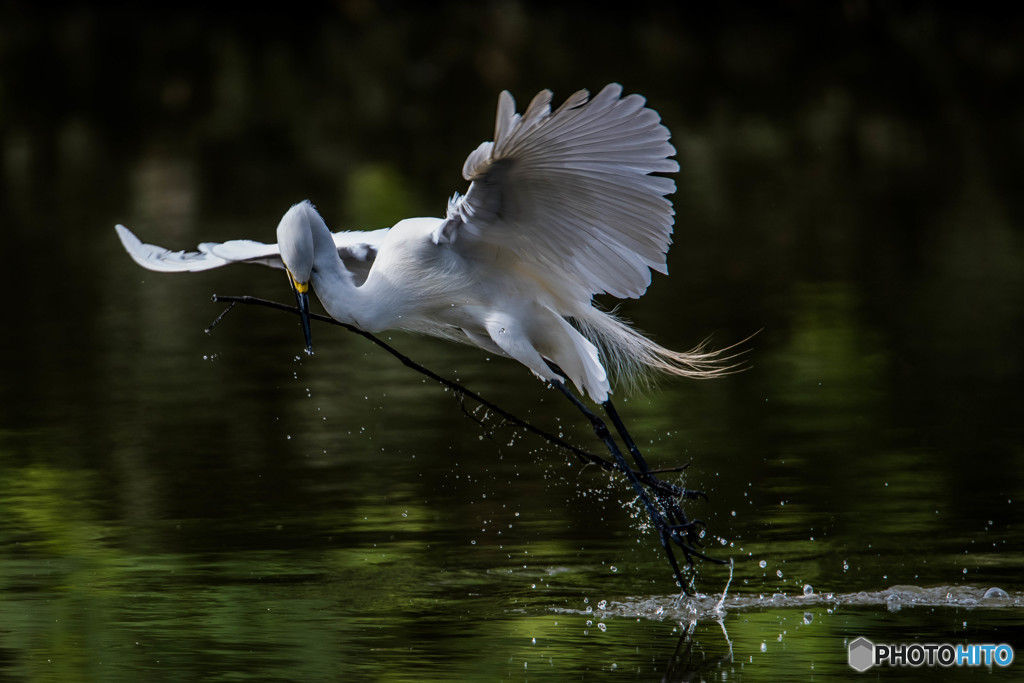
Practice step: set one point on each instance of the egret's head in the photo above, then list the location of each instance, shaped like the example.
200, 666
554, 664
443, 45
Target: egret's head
295, 239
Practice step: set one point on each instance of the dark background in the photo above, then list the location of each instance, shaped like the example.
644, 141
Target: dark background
848, 190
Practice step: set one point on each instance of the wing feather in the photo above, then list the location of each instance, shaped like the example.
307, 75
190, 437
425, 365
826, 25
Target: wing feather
153, 257
571, 191
354, 247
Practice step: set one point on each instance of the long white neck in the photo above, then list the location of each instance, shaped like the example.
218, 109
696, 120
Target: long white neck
335, 286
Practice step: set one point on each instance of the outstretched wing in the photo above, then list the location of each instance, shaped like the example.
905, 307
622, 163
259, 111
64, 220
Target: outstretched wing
153, 257
570, 192
357, 250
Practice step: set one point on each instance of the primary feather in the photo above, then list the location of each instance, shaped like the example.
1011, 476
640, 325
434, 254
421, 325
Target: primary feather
572, 190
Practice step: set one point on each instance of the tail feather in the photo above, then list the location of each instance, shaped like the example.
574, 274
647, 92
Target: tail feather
635, 361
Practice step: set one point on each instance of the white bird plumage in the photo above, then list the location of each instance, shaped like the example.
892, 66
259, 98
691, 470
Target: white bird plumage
562, 206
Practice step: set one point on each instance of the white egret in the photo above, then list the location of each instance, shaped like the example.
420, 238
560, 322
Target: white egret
562, 205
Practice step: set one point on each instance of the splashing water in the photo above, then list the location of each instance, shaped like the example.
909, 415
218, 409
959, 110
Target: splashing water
893, 599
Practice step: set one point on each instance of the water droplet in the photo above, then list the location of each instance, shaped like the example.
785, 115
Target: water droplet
762, 564
778, 573
614, 569
808, 589
764, 647
601, 626
995, 594
604, 604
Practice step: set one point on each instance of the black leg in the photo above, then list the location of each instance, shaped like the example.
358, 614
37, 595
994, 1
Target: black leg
666, 493
646, 472
671, 525
609, 408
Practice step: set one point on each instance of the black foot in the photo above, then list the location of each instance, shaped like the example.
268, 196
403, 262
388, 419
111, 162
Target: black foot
670, 489
673, 525
660, 498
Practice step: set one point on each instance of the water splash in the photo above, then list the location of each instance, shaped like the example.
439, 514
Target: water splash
685, 609
720, 605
